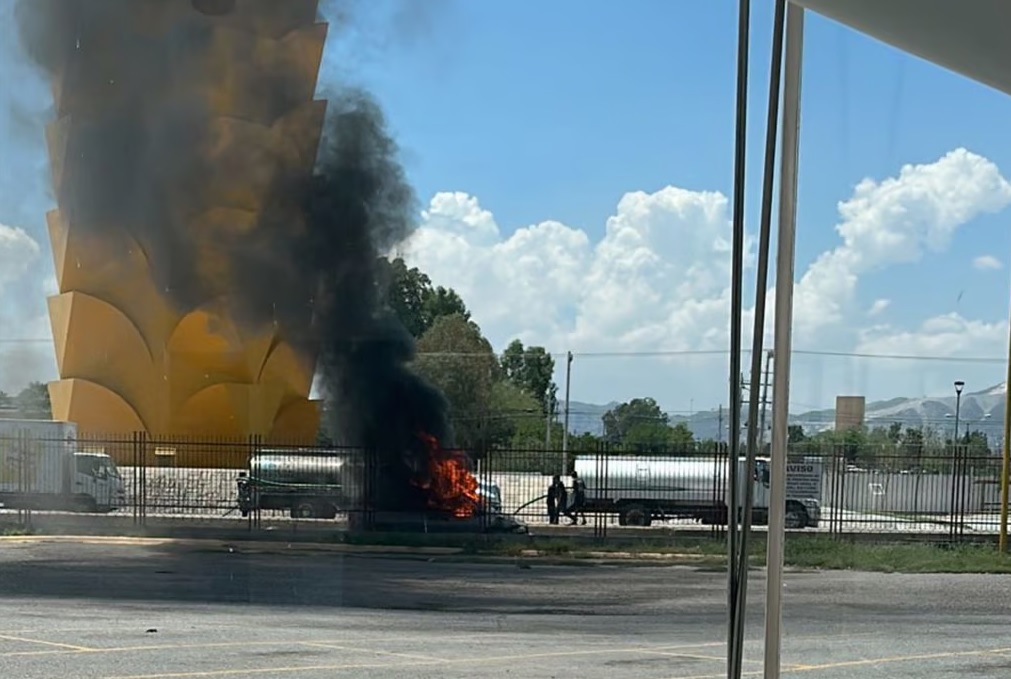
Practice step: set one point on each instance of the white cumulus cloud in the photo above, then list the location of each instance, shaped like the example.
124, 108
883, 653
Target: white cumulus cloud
658, 278
17, 252
879, 307
986, 263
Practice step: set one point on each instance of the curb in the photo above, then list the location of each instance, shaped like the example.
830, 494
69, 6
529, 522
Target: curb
242, 546
524, 559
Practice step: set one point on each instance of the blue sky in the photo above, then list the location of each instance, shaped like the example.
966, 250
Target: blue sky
554, 111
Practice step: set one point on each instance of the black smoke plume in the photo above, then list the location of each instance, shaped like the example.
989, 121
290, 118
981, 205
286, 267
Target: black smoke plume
144, 161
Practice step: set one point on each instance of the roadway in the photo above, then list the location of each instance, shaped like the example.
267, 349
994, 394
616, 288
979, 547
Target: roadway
123, 609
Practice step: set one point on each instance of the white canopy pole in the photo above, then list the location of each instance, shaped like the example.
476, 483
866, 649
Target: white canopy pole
782, 340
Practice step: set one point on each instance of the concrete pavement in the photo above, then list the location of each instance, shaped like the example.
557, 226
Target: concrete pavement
159, 610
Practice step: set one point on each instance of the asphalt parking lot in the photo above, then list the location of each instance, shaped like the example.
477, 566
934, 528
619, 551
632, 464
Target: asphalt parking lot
157, 610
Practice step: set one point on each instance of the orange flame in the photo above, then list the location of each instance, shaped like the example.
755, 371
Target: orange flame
450, 485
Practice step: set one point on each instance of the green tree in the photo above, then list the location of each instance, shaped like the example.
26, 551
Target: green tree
643, 413
641, 425
455, 357
439, 302
5, 400
976, 444
33, 402
581, 443
681, 435
913, 446
516, 420
795, 434
532, 369
412, 297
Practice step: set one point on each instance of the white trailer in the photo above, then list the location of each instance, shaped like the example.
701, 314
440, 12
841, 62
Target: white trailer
640, 489
41, 468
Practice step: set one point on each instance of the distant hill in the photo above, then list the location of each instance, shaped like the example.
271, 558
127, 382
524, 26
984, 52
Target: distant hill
980, 410
586, 418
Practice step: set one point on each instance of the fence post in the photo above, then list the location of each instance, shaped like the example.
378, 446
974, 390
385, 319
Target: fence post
135, 462
601, 519
140, 443
23, 442
253, 519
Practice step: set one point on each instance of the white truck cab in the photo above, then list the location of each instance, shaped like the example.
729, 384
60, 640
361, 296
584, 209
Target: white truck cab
97, 482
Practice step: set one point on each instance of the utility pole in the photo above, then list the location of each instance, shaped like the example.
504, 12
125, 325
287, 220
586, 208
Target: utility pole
719, 425
765, 400
565, 429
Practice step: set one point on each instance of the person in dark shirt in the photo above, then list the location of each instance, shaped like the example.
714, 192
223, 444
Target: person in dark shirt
557, 496
576, 509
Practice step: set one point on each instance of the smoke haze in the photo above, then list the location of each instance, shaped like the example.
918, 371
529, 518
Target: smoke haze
150, 158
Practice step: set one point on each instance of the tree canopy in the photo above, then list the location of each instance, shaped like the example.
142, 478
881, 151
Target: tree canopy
532, 370
418, 303
641, 424
455, 357
33, 402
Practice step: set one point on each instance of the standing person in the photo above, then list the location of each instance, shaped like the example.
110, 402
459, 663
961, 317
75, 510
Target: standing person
557, 496
577, 508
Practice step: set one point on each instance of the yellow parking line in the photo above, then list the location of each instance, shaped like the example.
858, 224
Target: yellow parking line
26, 640
341, 647
692, 656
514, 657
864, 662
898, 659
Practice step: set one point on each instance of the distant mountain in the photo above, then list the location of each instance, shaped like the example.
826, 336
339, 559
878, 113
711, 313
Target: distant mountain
980, 410
983, 410
586, 418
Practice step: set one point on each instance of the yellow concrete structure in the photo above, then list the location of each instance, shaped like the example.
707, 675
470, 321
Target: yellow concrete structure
129, 358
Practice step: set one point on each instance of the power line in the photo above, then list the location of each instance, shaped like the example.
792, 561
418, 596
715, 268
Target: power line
670, 353
903, 357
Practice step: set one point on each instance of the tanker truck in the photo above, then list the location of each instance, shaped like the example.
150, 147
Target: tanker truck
41, 468
315, 484
309, 484
640, 490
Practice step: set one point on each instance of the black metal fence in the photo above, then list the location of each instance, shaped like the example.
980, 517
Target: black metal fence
949, 494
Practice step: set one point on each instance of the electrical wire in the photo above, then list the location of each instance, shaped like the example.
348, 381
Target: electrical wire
673, 353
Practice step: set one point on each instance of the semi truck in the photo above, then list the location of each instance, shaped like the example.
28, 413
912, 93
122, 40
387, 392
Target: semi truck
642, 490
314, 484
42, 468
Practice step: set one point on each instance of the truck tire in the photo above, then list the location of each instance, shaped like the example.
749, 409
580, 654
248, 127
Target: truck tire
86, 505
635, 515
796, 516
303, 509
327, 511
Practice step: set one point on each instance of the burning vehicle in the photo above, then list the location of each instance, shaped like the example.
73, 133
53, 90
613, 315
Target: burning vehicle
322, 484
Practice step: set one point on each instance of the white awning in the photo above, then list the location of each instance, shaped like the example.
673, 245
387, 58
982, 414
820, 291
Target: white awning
970, 37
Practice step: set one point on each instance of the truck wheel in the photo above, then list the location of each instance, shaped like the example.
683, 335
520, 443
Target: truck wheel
796, 516
635, 515
86, 505
303, 509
